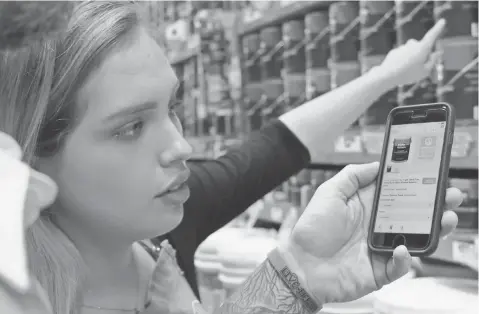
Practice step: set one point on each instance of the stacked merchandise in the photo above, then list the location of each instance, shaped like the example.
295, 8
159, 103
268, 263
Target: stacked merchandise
180, 94
317, 54
299, 57
189, 101
271, 63
214, 59
252, 77
344, 23
467, 212
413, 20
209, 35
304, 55
371, 28
226, 258
299, 190
293, 194
377, 38
457, 73
427, 295
294, 70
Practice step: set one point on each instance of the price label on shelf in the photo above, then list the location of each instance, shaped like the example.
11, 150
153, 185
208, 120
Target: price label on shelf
373, 142
276, 214
348, 144
465, 253
461, 145
193, 42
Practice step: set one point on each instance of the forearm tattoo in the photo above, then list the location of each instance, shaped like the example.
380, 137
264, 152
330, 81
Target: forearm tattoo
263, 292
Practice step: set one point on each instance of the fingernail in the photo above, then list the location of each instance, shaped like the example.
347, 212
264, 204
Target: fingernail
445, 237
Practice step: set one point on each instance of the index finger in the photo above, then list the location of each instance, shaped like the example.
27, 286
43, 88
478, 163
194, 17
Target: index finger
433, 34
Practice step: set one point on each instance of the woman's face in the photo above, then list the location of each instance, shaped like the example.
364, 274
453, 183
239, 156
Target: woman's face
122, 169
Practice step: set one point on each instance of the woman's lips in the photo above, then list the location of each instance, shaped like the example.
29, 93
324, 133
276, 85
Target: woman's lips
176, 196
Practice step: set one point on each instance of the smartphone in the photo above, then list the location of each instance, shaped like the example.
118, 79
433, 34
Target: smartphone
411, 187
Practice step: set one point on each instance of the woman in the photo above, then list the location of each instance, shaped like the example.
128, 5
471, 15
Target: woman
112, 143
224, 188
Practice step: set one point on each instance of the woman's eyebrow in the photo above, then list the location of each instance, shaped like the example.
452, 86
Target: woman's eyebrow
131, 110
135, 109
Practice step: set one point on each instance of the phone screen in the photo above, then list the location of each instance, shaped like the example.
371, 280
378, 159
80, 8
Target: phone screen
409, 183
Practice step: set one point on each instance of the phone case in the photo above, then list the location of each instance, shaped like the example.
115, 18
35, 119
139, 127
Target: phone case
442, 180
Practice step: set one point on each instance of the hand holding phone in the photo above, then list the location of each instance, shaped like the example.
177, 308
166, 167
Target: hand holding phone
411, 188
330, 238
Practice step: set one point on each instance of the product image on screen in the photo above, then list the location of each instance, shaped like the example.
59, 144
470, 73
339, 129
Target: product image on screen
410, 178
401, 147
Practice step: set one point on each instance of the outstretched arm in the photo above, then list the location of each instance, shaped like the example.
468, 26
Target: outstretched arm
335, 111
319, 121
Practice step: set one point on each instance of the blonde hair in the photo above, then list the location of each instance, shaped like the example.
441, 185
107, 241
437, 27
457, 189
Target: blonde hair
94, 30
25, 79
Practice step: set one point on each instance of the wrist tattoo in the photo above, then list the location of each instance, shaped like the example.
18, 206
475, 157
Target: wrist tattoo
264, 292
292, 281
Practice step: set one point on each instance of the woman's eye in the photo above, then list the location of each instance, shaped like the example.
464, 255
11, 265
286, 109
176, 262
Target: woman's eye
130, 131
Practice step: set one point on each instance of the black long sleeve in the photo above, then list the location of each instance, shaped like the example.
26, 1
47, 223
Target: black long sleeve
224, 188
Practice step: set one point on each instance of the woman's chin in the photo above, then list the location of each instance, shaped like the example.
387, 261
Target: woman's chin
169, 219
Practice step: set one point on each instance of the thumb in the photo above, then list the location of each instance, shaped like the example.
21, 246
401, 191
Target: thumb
352, 178
399, 265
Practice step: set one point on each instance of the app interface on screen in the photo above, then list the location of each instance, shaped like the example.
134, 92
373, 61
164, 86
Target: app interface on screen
408, 188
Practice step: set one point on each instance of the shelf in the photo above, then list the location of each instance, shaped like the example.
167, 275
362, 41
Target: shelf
459, 248
280, 15
364, 146
191, 50
358, 146
181, 56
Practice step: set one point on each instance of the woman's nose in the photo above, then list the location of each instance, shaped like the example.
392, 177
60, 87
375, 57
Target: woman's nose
178, 150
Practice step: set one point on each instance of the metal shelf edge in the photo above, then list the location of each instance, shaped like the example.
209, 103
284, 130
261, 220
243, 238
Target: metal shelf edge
447, 252
331, 159
338, 159
282, 14
180, 57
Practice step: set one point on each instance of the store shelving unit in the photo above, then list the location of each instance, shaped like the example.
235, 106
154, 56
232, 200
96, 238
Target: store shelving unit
192, 50
356, 145
458, 248
350, 148
182, 56
363, 145
278, 16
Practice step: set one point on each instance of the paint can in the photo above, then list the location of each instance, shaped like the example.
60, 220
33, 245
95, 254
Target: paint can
377, 32
344, 27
